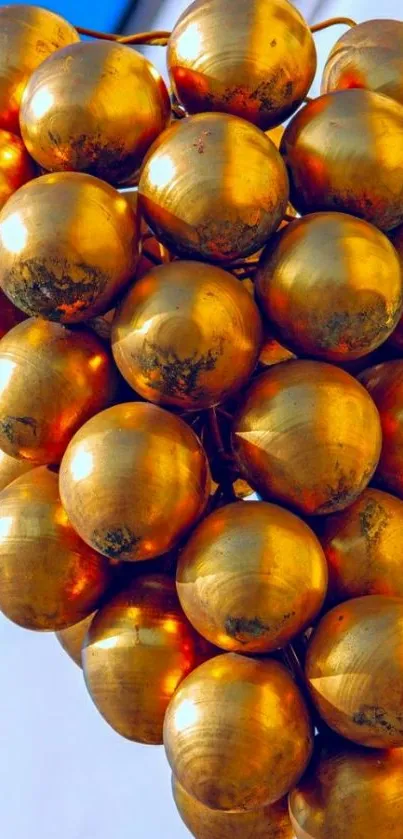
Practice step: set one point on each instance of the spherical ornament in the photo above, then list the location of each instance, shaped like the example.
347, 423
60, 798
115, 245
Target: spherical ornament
362, 546
52, 379
354, 668
384, 382
255, 59
213, 186
344, 152
251, 577
16, 166
72, 638
28, 35
134, 479
237, 733
68, 246
270, 822
94, 107
396, 339
350, 792
331, 285
307, 434
187, 335
369, 55
11, 468
139, 648
49, 578
9, 315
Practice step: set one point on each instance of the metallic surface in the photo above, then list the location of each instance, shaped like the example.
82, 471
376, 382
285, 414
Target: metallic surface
139, 648
251, 58
49, 578
354, 669
187, 335
11, 468
369, 55
213, 186
52, 379
28, 34
270, 822
134, 479
344, 152
272, 351
350, 793
16, 166
308, 435
384, 383
237, 733
68, 246
363, 547
94, 107
331, 285
72, 638
251, 577
9, 315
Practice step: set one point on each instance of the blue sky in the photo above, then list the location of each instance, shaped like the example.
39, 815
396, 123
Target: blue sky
99, 14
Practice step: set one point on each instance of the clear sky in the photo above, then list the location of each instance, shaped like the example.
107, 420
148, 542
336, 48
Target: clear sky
98, 14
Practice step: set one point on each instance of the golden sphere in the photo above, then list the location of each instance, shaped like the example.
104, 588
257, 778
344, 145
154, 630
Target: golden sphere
307, 434
9, 315
237, 733
49, 578
350, 793
68, 246
343, 152
331, 285
213, 186
11, 468
187, 335
384, 383
94, 107
16, 166
362, 546
251, 577
369, 55
255, 59
72, 638
52, 379
270, 822
134, 479
28, 35
139, 648
354, 669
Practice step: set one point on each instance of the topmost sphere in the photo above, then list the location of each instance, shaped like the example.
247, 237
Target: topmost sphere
252, 58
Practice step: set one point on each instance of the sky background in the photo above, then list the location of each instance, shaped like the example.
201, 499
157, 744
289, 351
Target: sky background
64, 774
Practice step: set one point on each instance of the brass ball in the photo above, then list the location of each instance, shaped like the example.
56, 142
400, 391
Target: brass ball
72, 638
213, 186
384, 383
187, 335
94, 107
254, 59
11, 468
68, 246
16, 166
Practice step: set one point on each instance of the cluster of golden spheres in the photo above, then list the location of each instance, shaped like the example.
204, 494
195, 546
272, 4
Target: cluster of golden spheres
174, 337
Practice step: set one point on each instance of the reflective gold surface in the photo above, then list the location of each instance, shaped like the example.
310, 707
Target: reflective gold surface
384, 382
331, 285
250, 58
213, 186
270, 822
396, 339
237, 733
52, 379
72, 638
68, 245
139, 648
308, 435
187, 334
272, 351
9, 315
369, 55
16, 166
28, 35
49, 578
94, 107
133, 480
354, 668
11, 468
251, 577
350, 793
363, 547
344, 152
